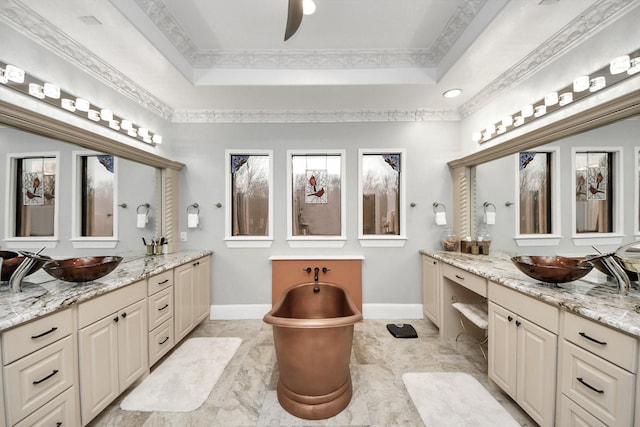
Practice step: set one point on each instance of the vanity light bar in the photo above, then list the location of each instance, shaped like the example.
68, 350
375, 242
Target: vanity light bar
17, 79
619, 69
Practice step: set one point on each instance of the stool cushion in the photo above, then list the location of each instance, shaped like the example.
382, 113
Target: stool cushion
474, 312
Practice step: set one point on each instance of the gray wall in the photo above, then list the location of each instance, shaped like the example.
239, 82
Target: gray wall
243, 276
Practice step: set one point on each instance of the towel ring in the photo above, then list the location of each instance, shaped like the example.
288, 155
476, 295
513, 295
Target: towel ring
144, 205
487, 205
193, 206
437, 205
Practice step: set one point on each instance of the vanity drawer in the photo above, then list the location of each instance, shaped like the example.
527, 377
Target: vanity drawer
60, 411
612, 345
37, 378
468, 280
32, 336
102, 306
160, 308
573, 415
603, 389
538, 312
159, 282
161, 341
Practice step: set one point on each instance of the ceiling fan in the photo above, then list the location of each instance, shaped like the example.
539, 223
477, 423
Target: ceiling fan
294, 17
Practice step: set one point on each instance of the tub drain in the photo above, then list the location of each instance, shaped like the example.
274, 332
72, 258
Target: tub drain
402, 330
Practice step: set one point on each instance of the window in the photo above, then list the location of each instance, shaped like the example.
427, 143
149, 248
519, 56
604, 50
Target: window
94, 221
381, 198
249, 214
31, 218
316, 196
596, 181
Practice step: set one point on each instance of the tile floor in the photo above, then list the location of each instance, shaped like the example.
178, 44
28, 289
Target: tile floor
245, 394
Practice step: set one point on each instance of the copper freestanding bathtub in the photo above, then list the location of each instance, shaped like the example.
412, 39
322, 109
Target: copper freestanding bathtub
313, 334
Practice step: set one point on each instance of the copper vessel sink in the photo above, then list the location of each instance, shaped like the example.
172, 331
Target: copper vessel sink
12, 260
553, 269
599, 265
83, 269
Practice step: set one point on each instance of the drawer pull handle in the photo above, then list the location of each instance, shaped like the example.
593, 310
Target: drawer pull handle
163, 282
164, 340
44, 333
509, 318
586, 384
58, 424
115, 319
584, 335
124, 315
459, 277
162, 308
518, 323
55, 371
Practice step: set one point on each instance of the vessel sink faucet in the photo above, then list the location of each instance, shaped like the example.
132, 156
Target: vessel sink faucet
15, 281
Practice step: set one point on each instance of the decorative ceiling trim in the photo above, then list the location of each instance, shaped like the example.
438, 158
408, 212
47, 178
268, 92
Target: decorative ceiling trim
314, 116
27, 22
598, 16
167, 23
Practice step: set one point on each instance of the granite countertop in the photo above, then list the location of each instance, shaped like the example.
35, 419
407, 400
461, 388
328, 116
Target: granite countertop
592, 297
42, 294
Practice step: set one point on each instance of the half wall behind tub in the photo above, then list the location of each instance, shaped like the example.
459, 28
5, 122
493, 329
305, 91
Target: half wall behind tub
500, 187
136, 185
391, 277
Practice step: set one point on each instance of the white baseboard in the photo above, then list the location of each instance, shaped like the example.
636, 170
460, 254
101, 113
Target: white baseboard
369, 311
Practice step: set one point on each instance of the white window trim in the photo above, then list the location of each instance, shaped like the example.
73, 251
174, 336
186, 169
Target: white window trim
317, 241
552, 239
84, 242
246, 241
636, 198
374, 240
13, 242
617, 236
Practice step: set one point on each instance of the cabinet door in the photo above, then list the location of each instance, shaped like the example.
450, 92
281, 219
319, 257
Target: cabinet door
202, 300
183, 289
502, 349
536, 364
98, 358
133, 356
431, 289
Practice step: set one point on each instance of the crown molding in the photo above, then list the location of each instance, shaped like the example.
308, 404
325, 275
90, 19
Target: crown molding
598, 16
314, 116
24, 20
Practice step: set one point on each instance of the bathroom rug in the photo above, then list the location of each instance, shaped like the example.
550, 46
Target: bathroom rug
455, 399
184, 380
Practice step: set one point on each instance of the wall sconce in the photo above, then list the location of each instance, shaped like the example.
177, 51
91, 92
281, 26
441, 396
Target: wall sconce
618, 69
142, 215
193, 219
489, 213
16, 78
441, 213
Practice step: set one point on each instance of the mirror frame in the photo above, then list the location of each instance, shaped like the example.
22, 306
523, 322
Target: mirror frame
462, 169
167, 180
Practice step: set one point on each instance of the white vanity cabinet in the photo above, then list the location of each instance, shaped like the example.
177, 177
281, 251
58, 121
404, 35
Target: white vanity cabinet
522, 350
598, 375
192, 293
161, 330
431, 289
39, 371
112, 343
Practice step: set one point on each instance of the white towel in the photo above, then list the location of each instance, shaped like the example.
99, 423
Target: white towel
490, 218
192, 220
141, 220
441, 218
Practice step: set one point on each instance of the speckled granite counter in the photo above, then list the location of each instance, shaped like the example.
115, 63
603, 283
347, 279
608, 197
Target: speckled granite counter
42, 294
590, 297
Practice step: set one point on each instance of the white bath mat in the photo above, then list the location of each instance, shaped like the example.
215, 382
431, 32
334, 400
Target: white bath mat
446, 399
185, 379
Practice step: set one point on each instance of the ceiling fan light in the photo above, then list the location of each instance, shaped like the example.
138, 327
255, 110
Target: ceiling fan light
308, 7
452, 93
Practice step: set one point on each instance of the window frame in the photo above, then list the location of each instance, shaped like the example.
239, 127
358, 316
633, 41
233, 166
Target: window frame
77, 240
613, 238
553, 238
15, 242
317, 241
380, 240
636, 199
230, 240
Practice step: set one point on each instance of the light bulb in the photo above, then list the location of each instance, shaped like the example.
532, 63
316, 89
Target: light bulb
308, 7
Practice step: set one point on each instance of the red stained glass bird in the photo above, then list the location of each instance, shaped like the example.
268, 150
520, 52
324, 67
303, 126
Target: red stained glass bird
594, 190
318, 193
312, 181
31, 195
36, 184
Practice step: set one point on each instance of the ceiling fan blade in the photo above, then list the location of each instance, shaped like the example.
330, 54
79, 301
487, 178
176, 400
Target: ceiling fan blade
294, 18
